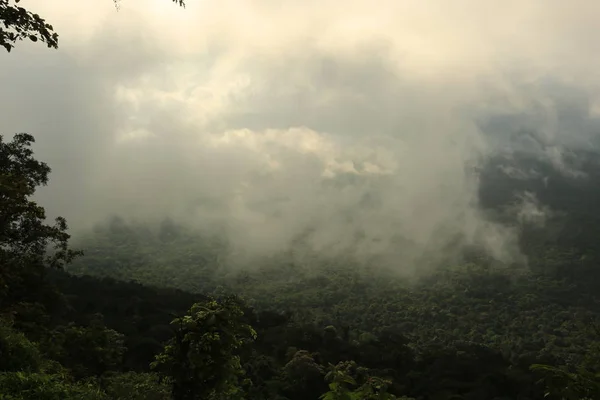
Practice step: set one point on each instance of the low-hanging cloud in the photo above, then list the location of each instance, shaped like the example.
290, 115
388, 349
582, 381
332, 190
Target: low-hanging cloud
357, 127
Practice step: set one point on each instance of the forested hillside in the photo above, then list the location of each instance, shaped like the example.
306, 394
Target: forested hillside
387, 251
467, 331
544, 310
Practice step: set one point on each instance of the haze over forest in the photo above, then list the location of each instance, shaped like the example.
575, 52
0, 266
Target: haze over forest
299, 200
360, 128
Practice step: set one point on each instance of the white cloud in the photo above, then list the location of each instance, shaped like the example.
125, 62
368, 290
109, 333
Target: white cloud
355, 119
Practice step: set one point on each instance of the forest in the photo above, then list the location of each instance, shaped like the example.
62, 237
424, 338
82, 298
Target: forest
156, 309
151, 312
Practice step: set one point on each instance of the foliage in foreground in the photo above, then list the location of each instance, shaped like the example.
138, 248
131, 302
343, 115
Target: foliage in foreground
580, 384
202, 360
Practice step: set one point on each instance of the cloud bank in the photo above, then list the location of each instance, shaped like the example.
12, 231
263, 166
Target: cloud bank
357, 127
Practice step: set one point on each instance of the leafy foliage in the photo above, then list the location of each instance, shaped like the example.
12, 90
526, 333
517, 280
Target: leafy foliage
87, 350
343, 386
201, 359
581, 384
17, 353
24, 235
19, 23
303, 376
137, 386
26, 386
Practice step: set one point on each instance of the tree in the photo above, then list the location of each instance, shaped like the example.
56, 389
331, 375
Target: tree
17, 353
202, 360
31, 385
344, 386
88, 350
18, 23
302, 376
25, 238
568, 385
26, 374
136, 386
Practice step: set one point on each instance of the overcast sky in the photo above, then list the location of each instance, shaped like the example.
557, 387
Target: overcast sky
262, 119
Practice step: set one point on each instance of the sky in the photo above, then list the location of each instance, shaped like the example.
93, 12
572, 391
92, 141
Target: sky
362, 123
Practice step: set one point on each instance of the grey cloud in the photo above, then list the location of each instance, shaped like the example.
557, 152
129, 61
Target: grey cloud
353, 151
529, 210
558, 123
68, 113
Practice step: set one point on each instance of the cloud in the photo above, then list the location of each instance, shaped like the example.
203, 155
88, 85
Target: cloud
357, 127
529, 210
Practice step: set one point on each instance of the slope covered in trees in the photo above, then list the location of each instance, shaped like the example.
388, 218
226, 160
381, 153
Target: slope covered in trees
336, 330
542, 312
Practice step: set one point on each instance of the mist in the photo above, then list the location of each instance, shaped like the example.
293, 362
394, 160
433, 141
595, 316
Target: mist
360, 130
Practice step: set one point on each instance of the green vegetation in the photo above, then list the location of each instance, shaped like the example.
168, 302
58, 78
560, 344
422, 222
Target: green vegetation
325, 329
201, 360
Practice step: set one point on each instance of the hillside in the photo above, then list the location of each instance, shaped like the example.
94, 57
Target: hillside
541, 311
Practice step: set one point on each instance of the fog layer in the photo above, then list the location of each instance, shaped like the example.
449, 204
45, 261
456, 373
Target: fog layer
358, 126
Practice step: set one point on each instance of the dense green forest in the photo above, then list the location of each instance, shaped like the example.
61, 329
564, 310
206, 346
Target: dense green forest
152, 311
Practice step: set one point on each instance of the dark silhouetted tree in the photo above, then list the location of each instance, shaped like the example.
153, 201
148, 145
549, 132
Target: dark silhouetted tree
27, 243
